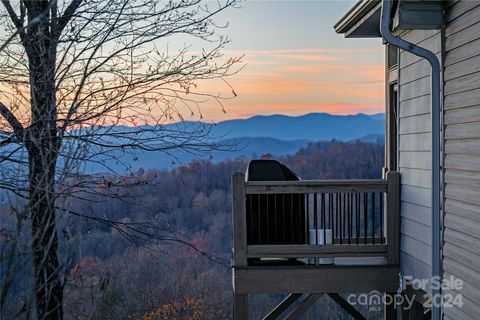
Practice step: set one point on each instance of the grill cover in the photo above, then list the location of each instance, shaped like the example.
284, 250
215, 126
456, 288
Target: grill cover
274, 218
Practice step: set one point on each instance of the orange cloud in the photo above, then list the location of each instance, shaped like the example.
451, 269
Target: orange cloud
270, 86
302, 50
305, 57
314, 68
365, 93
270, 83
376, 73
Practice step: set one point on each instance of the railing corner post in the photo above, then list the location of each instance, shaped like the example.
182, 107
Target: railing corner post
393, 217
239, 219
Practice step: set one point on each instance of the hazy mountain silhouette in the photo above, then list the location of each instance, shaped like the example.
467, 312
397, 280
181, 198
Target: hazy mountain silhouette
275, 134
312, 126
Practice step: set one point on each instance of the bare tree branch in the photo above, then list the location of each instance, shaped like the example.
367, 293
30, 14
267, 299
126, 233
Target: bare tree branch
17, 21
67, 16
12, 121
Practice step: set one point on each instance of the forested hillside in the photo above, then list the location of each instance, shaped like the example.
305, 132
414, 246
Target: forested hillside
119, 271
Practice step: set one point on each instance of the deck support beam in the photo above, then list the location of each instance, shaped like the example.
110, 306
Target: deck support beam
287, 302
304, 306
347, 306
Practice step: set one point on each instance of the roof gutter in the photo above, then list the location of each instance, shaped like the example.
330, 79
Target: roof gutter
435, 117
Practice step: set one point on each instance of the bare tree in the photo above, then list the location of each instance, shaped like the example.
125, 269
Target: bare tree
82, 77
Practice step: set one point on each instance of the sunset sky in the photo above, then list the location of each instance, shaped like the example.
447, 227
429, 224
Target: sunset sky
296, 63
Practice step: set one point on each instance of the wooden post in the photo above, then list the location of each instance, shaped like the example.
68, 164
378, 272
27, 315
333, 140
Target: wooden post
393, 217
417, 312
405, 311
240, 307
304, 306
284, 305
239, 242
239, 218
390, 310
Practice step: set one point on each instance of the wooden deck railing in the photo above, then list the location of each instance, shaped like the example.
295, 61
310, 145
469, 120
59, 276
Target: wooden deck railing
355, 218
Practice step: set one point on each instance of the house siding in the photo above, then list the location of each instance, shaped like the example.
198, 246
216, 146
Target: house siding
462, 154
414, 154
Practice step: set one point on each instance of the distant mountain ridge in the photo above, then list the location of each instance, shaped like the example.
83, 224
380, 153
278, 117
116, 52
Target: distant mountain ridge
258, 135
312, 127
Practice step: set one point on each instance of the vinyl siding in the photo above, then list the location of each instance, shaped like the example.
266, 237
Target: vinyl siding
462, 154
414, 155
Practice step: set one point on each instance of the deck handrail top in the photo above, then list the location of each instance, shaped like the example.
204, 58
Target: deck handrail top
345, 182
314, 186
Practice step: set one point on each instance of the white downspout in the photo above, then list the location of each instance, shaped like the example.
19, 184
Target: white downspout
435, 115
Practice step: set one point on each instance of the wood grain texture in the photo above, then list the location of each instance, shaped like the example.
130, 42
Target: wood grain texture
415, 89
463, 115
417, 249
240, 307
411, 266
462, 271
463, 146
460, 239
312, 186
469, 290
432, 44
462, 177
462, 53
467, 194
464, 68
462, 162
416, 195
414, 107
416, 177
412, 72
456, 313
459, 8
305, 251
459, 208
468, 17
393, 217
467, 257
463, 131
463, 37
415, 160
415, 124
419, 36
299, 310
469, 306
316, 279
462, 84
239, 218
415, 142
417, 231
420, 214
463, 99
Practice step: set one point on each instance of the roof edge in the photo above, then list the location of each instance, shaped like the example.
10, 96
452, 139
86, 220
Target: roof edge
357, 12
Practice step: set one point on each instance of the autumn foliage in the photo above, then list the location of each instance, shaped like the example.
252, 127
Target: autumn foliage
186, 309
113, 277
